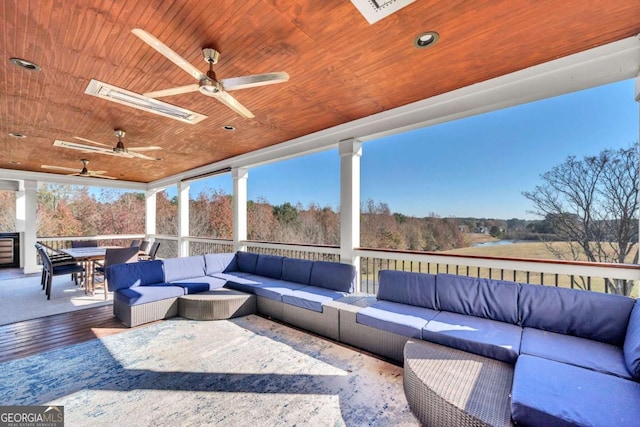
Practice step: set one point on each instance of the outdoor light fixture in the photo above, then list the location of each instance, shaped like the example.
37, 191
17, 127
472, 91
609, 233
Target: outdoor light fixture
23, 63
141, 102
426, 39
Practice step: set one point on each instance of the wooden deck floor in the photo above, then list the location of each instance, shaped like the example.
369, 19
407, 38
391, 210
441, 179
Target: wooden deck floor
35, 336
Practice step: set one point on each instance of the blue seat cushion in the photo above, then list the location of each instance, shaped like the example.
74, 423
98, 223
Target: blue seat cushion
241, 283
144, 294
121, 276
333, 275
311, 297
549, 393
590, 354
632, 342
586, 314
486, 337
408, 288
401, 319
491, 299
275, 289
183, 268
210, 281
218, 263
59, 270
192, 287
269, 266
247, 261
296, 270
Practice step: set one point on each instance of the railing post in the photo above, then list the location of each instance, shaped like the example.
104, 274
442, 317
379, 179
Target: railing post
350, 151
183, 218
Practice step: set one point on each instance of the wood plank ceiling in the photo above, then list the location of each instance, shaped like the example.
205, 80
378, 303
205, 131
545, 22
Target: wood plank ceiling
341, 68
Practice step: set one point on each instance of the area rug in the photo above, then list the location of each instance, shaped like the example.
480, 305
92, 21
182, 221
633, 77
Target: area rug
241, 372
23, 299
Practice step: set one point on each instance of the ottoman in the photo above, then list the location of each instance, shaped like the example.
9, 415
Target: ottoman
216, 305
449, 387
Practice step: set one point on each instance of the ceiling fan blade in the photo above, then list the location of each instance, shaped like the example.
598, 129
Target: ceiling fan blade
141, 156
236, 83
62, 168
165, 50
232, 103
173, 91
153, 147
91, 142
99, 175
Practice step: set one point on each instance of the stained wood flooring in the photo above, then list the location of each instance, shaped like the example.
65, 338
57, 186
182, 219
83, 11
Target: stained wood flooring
35, 336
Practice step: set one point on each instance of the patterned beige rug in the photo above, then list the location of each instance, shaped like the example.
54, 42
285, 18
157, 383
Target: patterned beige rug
242, 372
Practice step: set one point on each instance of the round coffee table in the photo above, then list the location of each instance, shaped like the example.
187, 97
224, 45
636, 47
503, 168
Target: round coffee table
447, 387
216, 305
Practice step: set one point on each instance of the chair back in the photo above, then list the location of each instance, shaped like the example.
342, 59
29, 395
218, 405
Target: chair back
84, 243
154, 250
120, 255
135, 243
144, 246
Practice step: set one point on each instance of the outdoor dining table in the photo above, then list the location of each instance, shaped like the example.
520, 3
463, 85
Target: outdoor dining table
86, 256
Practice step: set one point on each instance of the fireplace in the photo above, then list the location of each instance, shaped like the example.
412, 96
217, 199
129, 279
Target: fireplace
9, 250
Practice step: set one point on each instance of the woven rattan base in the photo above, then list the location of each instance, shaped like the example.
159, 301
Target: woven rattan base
216, 305
449, 387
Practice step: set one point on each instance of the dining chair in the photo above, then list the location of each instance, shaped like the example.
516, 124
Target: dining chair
58, 268
135, 243
112, 256
151, 255
144, 246
55, 258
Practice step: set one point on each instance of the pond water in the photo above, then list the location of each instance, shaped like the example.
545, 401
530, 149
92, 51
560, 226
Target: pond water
498, 243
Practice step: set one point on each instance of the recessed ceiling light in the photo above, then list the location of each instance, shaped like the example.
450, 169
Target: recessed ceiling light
23, 63
426, 39
17, 135
14, 162
228, 127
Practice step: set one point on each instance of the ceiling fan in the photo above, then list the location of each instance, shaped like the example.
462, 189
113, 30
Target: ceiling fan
83, 172
208, 84
118, 150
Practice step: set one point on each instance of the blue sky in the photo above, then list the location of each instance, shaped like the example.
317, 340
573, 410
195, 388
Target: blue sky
478, 166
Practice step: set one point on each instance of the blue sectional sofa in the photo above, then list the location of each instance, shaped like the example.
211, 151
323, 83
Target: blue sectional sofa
296, 291
576, 354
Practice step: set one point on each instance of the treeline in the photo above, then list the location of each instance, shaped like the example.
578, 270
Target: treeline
64, 210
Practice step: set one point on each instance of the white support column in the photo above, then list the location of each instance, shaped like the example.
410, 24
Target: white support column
240, 176
350, 152
637, 98
150, 212
183, 218
26, 225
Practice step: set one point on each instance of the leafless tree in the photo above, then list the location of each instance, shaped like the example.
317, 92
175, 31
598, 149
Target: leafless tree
592, 203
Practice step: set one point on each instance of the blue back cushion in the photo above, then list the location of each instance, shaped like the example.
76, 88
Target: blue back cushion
269, 266
218, 263
247, 261
586, 314
408, 288
183, 268
632, 342
121, 276
296, 270
333, 275
491, 299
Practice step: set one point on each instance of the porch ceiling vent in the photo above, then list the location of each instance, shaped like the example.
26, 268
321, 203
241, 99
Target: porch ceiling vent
141, 102
375, 10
